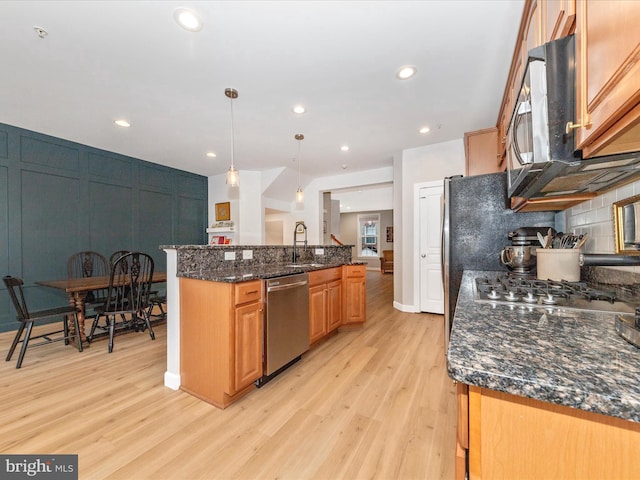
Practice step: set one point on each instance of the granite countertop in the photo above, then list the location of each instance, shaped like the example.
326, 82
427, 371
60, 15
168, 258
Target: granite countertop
257, 272
570, 358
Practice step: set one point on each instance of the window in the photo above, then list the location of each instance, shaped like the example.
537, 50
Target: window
368, 235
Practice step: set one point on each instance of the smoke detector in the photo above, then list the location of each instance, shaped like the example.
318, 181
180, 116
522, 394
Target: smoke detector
40, 31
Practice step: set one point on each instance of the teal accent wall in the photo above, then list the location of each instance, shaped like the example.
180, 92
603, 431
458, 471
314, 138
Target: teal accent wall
59, 197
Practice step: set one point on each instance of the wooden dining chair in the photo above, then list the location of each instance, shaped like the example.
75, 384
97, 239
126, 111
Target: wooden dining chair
128, 296
116, 255
89, 264
27, 320
156, 299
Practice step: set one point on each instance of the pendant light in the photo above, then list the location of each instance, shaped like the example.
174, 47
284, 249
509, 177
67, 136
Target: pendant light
299, 194
233, 177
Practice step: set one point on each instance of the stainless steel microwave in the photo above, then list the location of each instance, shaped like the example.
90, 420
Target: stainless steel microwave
542, 160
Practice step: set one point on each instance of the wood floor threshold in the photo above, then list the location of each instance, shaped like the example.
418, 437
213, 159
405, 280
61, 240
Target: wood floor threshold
371, 402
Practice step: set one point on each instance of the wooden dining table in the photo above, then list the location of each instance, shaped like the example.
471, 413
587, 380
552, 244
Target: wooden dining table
79, 288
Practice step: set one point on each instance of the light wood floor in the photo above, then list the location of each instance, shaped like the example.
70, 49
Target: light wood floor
370, 403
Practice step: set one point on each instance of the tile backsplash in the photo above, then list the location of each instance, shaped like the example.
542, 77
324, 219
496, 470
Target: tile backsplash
595, 217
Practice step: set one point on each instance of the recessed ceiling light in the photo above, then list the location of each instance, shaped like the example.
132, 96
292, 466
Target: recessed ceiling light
211, 155
344, 148
406, 72
424, 130
299, 109
187, 19
344, 166
122, 123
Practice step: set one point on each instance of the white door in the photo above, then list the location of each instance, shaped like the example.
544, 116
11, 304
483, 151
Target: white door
431, 290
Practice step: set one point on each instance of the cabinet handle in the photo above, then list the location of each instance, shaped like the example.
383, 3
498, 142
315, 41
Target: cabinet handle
572, 126
251, 292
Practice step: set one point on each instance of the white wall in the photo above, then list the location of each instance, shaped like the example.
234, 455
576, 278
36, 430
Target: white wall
366, 199
285, 221
313, 196
247, 211
595, 217
249, 200
416, 165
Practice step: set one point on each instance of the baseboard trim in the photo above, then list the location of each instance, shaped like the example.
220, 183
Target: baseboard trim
405, 308
172, 380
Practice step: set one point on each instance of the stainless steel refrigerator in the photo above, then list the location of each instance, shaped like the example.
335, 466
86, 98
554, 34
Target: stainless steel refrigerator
475, 225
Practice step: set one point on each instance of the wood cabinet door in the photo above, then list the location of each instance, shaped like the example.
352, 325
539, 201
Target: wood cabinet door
559, 18
481, 148
317, 312
355, 293
247, 348
334, 305
607, 76
517, 437
532, 34
462, 431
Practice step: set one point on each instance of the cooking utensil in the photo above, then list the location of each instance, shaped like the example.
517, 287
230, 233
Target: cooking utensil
582, 241
542, 240
550, 238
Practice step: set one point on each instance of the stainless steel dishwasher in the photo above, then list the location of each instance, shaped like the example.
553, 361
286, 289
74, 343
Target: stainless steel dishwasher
286, 328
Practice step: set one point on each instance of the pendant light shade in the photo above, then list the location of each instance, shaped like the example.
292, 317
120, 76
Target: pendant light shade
299, 194
233, 178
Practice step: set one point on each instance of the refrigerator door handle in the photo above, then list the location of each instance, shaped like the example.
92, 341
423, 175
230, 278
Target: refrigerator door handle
444, 259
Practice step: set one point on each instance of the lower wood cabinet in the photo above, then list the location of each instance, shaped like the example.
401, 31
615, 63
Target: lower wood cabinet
516, 437
248, 344
325, 302
220, 339
354, 294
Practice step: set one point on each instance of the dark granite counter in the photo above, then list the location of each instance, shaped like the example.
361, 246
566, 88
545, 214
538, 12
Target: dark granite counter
253, 272
570, 358
255, 262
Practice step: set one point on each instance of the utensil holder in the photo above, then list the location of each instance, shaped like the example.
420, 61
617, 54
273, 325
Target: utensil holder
558, 264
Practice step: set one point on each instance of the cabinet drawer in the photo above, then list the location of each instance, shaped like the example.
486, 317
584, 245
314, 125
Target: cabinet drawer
247, 292
324, 276
355, 270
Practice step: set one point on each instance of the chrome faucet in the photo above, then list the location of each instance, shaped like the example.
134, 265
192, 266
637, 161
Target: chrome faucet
298, 230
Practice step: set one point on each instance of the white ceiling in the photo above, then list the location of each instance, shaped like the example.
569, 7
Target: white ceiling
104, 60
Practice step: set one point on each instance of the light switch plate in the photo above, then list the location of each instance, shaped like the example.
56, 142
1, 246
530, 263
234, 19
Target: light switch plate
229, 255
319, 251
247, 254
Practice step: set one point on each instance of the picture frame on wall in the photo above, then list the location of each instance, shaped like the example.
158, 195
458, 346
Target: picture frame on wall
389, 234
223, 211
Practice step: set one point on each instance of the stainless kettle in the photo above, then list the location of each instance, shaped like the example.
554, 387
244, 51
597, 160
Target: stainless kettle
521, 259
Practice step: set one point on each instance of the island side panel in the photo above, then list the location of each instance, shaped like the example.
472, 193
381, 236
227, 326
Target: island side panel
205, 310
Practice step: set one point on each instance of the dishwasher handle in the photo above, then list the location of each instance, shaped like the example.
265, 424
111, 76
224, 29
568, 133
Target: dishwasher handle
286, 286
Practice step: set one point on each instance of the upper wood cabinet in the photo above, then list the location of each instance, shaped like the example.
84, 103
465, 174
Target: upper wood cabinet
608, 77
559, 18
481, 150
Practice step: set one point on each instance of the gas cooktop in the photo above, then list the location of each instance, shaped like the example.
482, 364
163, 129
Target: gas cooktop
527, 292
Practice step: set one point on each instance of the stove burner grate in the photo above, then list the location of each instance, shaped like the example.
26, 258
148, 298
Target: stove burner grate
517, 289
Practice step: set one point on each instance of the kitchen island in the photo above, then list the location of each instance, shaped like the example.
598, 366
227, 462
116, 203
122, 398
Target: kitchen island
551, 393
215, 307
